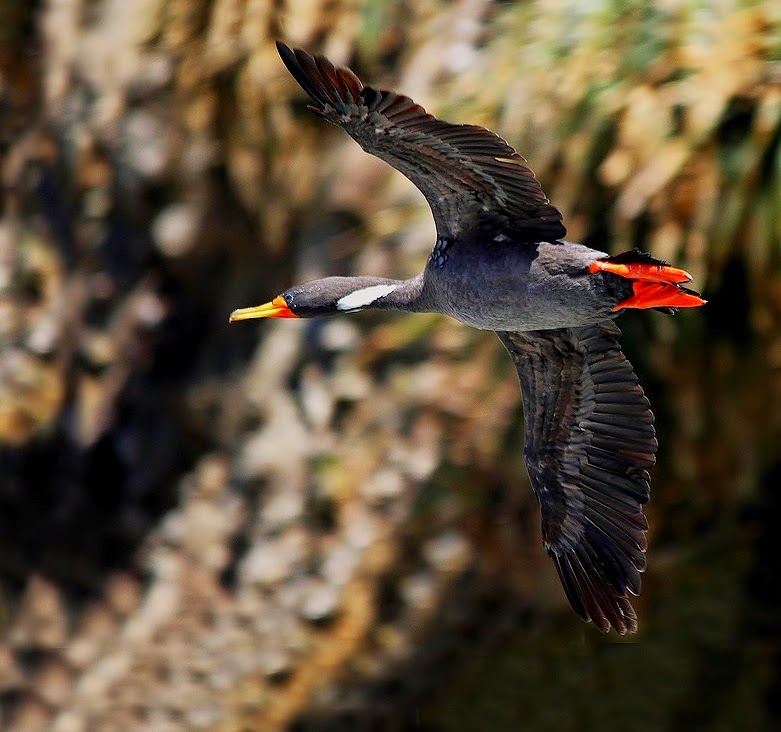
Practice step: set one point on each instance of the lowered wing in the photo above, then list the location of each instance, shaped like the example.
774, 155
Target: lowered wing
589, 443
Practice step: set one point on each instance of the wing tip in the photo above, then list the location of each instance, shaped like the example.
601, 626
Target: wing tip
593, 597
327, 84
290, 57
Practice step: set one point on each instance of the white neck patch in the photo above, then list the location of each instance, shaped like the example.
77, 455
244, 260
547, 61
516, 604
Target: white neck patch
363, 297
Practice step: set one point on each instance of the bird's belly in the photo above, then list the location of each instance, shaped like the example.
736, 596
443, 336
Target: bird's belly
527, 314
508, 301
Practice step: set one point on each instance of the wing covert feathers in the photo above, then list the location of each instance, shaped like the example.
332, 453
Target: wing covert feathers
589, 443
470, 177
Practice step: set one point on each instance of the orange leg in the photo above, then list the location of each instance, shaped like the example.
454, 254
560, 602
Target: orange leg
659, 294
641, 271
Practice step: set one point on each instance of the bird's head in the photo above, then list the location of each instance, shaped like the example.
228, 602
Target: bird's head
329, 296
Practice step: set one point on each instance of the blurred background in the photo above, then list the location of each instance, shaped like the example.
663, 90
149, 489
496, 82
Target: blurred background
327, 525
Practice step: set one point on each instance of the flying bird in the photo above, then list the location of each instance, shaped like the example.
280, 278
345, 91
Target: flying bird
501, 263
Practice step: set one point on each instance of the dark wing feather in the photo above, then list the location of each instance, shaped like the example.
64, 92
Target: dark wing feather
589, 443
470, 177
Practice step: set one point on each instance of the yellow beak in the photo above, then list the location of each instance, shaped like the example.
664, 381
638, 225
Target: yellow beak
277, 308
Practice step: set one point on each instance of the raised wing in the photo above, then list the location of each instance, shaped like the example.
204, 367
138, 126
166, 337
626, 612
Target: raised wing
471, 178
589, 443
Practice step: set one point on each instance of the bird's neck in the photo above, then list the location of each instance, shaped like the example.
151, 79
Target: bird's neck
408, 295
383, 294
